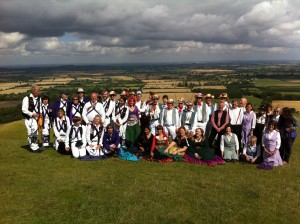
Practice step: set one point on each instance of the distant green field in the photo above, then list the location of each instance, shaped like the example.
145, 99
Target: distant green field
253, 90
290, 93
50, 188
256, 102
274, 82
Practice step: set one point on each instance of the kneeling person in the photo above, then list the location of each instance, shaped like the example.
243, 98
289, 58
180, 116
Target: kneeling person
94, 137
252, 150
76, 138
60, 127
111, 141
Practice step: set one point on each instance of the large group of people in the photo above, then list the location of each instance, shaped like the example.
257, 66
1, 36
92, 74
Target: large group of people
193, 130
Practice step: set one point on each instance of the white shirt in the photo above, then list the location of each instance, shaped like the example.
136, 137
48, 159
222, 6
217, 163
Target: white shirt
58, 125
90, 110
269, 135
154, 114
76, 135
63, 104
94, 133
76, 113
45, 111
236, 116
254, 149
116, 115
168, 120
25, 105
110, 107
229, 137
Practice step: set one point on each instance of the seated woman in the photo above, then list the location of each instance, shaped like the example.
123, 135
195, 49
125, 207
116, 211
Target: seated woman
76, 138
229, 145
199, 151
60, 127
271, 143
178, 147
111, 141
159, 144
145, 142
131, 150
252, 150
94, 137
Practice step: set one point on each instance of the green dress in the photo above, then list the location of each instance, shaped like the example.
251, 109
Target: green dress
132, 134
180, 144
202, 149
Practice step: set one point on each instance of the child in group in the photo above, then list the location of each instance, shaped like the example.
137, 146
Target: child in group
229, 145
47, 118
76, 138
61, 125
94, 137
252, 150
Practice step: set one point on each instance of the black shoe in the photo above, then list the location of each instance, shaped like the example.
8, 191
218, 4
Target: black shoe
36, 151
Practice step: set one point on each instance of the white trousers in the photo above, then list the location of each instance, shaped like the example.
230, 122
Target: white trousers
122, 130
107, 121
201, 125
152, 126
170, 130
32, 132
93, 151
56, 143
46, 130
187, 128
77, 152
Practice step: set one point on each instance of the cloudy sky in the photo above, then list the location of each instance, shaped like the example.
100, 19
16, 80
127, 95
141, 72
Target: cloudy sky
118, 31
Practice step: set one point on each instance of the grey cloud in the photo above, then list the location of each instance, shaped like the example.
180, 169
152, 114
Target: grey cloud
133, 27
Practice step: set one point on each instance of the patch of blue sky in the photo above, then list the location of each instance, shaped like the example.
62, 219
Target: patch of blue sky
68, 37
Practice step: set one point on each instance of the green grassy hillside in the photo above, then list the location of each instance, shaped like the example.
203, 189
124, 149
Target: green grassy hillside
50, 188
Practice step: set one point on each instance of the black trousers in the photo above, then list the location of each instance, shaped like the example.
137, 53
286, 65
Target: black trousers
211, 139
237, 129
286, 148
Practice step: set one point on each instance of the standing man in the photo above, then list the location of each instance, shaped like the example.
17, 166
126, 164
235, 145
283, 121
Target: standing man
165, 99
243, 102
139, 103
108, 107
236, 118
170, 119
31, 110
91, 109
188, 118
209, 110
180, 107
153, 110
63, 103
219, 120
224, 97
81, 97
202, 112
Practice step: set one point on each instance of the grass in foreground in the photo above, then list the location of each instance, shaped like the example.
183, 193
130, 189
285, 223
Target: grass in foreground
50, 188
